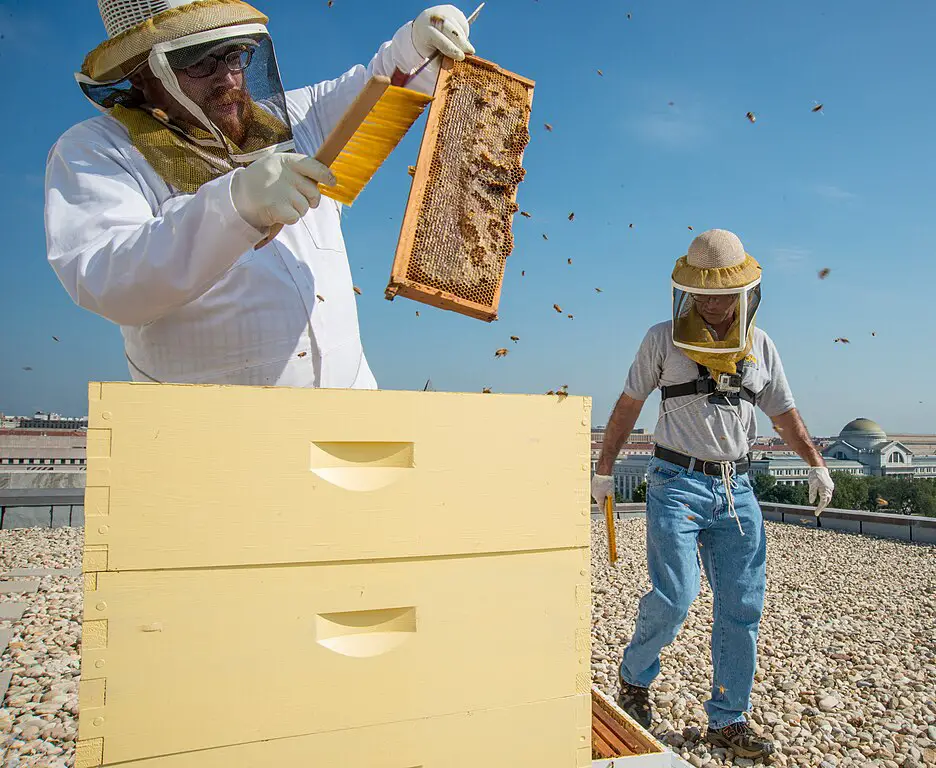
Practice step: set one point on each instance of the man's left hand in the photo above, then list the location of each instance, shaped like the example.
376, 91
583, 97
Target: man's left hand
442, 28
821, 487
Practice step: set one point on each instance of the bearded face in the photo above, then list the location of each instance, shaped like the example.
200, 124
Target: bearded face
222, 97
215, 83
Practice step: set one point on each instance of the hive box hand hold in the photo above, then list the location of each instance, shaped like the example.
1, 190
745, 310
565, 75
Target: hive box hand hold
457, 230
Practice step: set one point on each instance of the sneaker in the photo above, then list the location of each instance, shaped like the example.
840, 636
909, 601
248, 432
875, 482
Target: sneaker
741, 739
636, 702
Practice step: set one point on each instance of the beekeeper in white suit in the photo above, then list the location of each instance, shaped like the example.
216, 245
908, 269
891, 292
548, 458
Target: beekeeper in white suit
154, 208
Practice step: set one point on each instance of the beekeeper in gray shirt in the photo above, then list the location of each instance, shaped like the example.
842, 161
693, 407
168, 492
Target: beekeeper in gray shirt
713, 367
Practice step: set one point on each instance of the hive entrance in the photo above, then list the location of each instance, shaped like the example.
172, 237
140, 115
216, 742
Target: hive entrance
457, 228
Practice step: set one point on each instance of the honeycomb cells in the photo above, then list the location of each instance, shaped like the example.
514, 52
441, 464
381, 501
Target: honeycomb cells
463, 233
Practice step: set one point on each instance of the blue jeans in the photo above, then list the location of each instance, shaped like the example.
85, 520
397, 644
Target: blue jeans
688, 520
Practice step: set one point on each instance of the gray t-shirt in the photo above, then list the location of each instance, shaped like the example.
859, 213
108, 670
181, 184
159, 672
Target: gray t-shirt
702, 429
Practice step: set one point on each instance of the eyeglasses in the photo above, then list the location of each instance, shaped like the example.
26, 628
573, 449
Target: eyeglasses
236, 61
713, 298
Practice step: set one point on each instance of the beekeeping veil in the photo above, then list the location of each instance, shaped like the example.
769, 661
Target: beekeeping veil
715, 265
212, 67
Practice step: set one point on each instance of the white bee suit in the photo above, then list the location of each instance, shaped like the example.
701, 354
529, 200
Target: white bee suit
178, 272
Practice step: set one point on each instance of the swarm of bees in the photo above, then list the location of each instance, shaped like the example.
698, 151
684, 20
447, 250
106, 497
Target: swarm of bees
572, 216
843, 340
557, 308
824, 273
750, 116
500, 352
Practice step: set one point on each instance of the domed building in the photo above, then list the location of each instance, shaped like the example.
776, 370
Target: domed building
862, 448
866, 442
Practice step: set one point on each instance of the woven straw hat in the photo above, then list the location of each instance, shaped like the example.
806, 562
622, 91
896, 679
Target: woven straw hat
716, 259
714, 249
132, 35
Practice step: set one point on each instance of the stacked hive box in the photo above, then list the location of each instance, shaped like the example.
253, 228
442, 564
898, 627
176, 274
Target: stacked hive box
281, 576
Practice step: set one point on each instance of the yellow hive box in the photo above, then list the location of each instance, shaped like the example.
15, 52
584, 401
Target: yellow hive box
283, 577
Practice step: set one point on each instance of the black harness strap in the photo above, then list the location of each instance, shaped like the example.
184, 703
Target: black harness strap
705, 385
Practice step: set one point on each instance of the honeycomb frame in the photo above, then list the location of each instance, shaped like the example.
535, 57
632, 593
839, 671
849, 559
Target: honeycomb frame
437, 262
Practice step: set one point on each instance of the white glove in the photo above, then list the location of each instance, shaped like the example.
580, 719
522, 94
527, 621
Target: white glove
602, 486
442, 28
821, 486
278, 189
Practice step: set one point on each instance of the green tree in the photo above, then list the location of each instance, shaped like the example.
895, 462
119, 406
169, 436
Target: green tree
764, 486
767, 489
640, 492
851, 491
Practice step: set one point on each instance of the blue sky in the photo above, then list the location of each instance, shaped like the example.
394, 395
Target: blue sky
849, 189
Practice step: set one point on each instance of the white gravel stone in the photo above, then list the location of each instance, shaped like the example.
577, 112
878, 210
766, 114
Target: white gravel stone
846, 619
38, 722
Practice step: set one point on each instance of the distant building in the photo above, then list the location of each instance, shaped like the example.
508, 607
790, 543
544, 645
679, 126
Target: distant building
636, 436
25, 450
862, 448
42, 420
628, 449
865, 442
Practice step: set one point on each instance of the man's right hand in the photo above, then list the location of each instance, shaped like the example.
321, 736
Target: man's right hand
279, 188
602, 486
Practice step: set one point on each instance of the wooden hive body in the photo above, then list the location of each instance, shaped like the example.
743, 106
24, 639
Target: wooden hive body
457, 229
279, 576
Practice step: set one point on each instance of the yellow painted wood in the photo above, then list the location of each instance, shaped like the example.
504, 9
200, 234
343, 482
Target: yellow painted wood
329, 647
527, 736
280, 576
89, 754
222, 475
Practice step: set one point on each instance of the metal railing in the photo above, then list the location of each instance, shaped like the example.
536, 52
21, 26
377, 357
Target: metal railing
911, 528
11, 498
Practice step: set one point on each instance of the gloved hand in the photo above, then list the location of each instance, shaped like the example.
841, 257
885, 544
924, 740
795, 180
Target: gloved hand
821, 486
279, 188
442, 28
602, 486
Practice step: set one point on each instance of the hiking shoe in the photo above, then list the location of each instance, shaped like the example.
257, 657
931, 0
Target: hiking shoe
739, 738
636, 702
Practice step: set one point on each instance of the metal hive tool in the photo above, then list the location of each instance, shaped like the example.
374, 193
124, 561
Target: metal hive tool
457, 227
